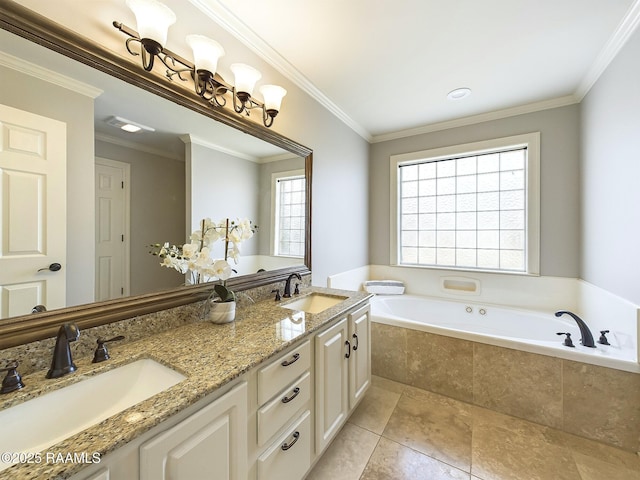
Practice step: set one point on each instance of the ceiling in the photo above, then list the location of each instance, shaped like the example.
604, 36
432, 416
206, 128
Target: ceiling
388, 65
385, 67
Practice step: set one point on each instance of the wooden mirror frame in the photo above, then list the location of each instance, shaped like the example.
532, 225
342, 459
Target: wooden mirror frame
29, 328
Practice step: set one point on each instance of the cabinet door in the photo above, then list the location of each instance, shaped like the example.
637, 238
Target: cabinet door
211, 443
332, 395
360, 361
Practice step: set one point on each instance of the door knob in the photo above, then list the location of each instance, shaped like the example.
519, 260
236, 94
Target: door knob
54, 267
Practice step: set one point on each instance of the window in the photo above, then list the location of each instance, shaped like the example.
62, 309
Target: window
468, 207
289, 214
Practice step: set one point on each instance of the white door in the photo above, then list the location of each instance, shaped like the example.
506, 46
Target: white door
33, 211
112, 229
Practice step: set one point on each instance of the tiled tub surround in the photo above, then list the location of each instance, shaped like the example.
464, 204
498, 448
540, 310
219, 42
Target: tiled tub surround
591, 401
209, 355
528, 330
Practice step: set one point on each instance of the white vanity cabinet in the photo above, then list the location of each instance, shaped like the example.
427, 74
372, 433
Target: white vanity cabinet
271, 423
283, 436
211, 443
343, 372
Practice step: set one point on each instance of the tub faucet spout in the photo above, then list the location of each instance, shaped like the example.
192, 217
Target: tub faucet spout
585, 333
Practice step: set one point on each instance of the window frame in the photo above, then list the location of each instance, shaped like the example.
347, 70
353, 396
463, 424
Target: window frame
275, 227
532, 201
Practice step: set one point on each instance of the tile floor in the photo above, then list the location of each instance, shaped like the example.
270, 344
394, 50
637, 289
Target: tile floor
400, 432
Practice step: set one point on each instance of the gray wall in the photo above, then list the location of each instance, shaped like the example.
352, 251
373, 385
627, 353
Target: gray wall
610, 177
559, 184
157, 213
222, 186
36, 96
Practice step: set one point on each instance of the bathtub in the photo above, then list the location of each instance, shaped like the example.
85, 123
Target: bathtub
526, 330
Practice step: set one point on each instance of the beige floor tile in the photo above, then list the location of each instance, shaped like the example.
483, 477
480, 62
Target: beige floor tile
508, 448
392, 461
347, 456
387, 384
432, 424
375, 408
592, 468
583, 447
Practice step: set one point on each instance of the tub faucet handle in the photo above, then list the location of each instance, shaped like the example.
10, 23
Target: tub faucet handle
603, 338
277, 292
567, 341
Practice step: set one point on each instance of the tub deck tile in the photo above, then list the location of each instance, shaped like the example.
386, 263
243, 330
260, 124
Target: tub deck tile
518, 383
440, 364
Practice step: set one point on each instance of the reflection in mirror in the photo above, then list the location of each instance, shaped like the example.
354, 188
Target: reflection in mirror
181, 167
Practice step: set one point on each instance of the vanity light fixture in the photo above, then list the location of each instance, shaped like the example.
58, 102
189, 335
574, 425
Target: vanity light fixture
154, 19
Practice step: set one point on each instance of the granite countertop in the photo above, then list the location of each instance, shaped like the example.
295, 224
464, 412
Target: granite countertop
209, 356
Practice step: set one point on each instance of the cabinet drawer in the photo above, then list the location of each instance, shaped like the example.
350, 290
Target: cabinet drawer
282, 372
275, 414
289, 457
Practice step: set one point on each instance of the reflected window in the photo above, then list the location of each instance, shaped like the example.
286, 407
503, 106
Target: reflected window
289, 214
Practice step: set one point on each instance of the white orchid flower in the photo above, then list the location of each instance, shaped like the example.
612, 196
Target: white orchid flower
234, 252
189, 250
222, 269
235, 236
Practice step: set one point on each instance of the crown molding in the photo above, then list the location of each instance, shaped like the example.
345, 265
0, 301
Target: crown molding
28, 68
227, 20
625, 29
136, 146
189, 138
232, 24
482, 117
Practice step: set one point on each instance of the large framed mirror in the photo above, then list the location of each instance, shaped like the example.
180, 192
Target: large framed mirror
194, 153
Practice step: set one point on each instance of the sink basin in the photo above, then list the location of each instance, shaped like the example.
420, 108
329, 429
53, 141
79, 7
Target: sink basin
37, 424
314, 303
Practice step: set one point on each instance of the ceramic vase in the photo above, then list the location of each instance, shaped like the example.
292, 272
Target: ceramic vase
222, 312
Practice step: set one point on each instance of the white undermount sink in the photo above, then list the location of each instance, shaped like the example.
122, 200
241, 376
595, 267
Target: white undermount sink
314, 303
37, 424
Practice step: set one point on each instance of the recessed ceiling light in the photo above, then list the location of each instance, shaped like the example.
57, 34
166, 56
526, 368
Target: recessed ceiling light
459, 93
128, 125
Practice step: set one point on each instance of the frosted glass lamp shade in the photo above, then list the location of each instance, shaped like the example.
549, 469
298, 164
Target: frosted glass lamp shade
245, 77
153, 19
206, 52
272, 95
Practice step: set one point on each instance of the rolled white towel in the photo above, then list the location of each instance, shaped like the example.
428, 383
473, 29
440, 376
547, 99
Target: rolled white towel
384, 287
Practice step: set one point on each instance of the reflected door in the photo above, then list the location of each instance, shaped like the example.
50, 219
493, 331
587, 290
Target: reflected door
33, 213
112, 229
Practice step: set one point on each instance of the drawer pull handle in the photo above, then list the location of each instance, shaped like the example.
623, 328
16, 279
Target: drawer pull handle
286, 363
357, 342
286, 446
296, 392
348, 345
